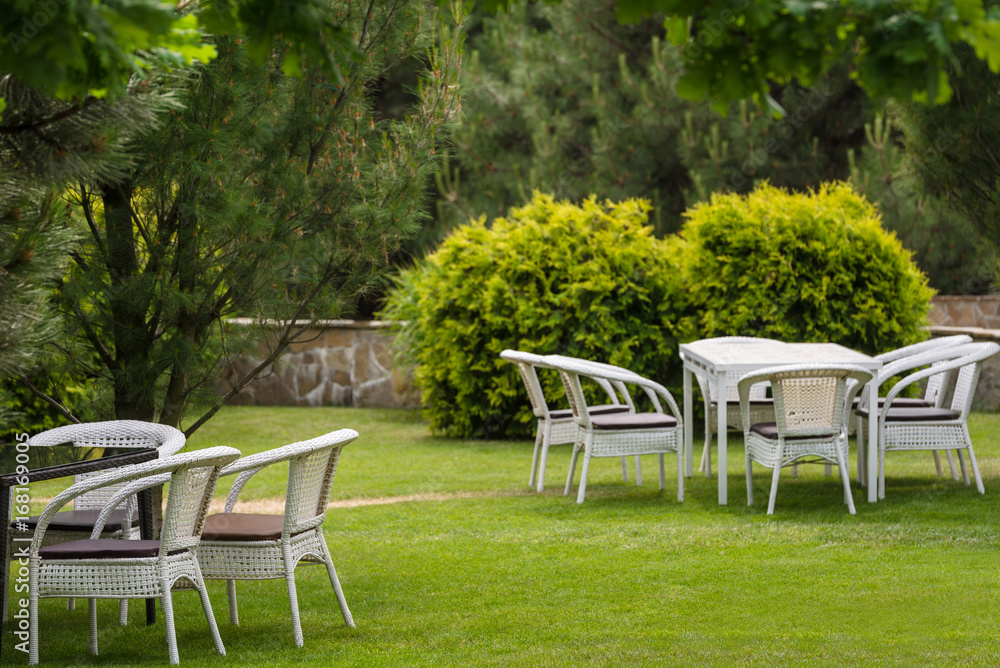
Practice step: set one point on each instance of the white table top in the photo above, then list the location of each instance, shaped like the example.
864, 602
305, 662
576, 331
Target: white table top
751, 356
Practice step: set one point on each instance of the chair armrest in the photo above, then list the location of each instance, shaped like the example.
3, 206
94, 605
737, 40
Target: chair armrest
124, 493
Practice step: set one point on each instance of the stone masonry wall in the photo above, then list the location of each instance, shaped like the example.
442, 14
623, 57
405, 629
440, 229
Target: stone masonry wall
979, 317
338, 363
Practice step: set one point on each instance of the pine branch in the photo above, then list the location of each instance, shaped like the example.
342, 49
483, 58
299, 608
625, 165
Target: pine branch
62, 409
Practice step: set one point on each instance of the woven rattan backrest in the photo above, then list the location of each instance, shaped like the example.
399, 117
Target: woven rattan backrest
122, 434
808, 400
968, 375
808, 406
525, 363
190, 494
310, 477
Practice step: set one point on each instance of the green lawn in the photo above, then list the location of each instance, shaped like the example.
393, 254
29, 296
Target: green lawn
493, 575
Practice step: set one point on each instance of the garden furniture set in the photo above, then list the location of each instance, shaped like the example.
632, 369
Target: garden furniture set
95, 552
795, 403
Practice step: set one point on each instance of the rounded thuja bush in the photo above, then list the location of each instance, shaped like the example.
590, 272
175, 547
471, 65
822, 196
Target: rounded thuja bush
587, 280
814, 266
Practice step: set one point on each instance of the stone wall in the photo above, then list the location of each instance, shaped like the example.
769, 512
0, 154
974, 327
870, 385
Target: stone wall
337, 363
979, 317
957, 311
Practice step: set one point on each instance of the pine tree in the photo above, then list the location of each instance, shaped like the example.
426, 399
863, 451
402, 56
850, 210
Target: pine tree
46, 144
266, 196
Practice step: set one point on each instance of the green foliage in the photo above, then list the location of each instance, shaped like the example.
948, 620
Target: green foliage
952, 148
944, 243
609, 120
552, 277
267, 196
731, 51
799, 267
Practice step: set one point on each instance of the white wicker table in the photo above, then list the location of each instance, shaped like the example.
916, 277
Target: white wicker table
717, 360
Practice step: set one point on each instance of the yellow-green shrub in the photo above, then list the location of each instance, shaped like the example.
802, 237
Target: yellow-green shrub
586, 280
799, 267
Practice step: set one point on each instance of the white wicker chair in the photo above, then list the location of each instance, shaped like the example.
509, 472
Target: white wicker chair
95, 568
931, 428
621, 434
242, 546
811, 408
761, 406
556, 427
78, 523
937, 385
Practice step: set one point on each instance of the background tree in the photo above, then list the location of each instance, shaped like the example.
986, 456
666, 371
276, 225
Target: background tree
953, 146
267, 196
607, 119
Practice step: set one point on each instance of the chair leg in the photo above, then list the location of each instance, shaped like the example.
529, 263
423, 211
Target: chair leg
572, 469
335, 582
663, 475
71, 604
774, 486
680, 471
937, 463
749, 480
638, 471
533, 478
123, 612
862, 443
624, 469
583, 478
543, 461
706, 451
167, 603
213, 628
92, 624
975, 470
293, 600
961, 464
234, 611
951, 464
881, 471
32, 613
842, 465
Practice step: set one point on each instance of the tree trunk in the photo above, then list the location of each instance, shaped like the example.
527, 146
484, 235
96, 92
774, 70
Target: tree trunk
133, 380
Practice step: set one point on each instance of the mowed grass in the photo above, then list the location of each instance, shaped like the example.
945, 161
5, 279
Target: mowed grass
487, 573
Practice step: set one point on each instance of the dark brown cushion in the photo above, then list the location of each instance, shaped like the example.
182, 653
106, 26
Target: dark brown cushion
103, 548
905, 402
905, 414
605, 409
770, 430
81, 520
766, 401
633, 421
242, 526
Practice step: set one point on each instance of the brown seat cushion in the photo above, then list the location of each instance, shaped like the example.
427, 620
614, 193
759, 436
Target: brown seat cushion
904, 402
633, 421
103, 548
242, 526
770, 430
766, 401
905, 414
605, 409
80, 520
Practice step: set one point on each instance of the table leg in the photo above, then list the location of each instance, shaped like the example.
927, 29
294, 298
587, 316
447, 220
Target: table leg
688, 421
721, 438
873, 435
146, 532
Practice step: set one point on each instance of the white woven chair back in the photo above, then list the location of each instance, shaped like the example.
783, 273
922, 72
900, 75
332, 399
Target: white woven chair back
526, 363
968, 375
810, 400
923, 347
190, 494
125, 434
